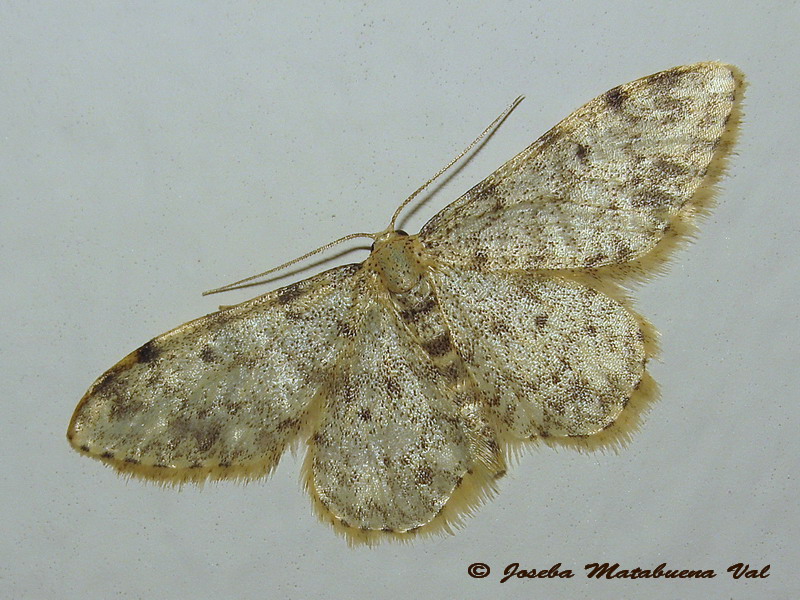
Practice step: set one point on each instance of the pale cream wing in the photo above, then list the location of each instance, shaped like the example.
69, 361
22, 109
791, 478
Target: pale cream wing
223, 395
393, 442
604, 185
551, 356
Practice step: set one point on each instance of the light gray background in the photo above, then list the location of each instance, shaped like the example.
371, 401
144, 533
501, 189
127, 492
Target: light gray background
154, 150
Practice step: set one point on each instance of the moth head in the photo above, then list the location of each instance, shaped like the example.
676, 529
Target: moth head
397, 258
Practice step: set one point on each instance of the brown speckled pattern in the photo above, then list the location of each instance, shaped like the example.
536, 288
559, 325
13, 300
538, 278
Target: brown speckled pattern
413, 376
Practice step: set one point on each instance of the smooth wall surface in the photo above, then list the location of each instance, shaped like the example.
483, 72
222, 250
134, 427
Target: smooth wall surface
149, 151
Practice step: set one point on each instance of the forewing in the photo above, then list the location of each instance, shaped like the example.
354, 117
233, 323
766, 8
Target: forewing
552, 356
223, 395
393, 443
604, 185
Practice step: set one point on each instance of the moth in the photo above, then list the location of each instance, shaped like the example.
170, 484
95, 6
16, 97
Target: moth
410, 378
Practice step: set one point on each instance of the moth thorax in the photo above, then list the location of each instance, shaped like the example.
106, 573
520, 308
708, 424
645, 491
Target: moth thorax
397, 259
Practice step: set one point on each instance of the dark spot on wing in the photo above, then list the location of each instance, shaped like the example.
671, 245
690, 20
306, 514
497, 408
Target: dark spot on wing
624, 251
484, 191
452, 372
393, 387
346, 330
123, 406
664, 78
289, 424
105, 381
365, 415
540, 320
290, 293
653, 199
616, 97
424, 476
671, 168
148, 353
232, 406
202, 433
498, 326
347, 390
580, 393
480, 258
595, 260
293, 315
207, 437
207, 354
582, 152
551, 136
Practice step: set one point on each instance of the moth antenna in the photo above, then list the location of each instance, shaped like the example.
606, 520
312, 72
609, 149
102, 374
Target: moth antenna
236, 284
492, 125
461, 154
